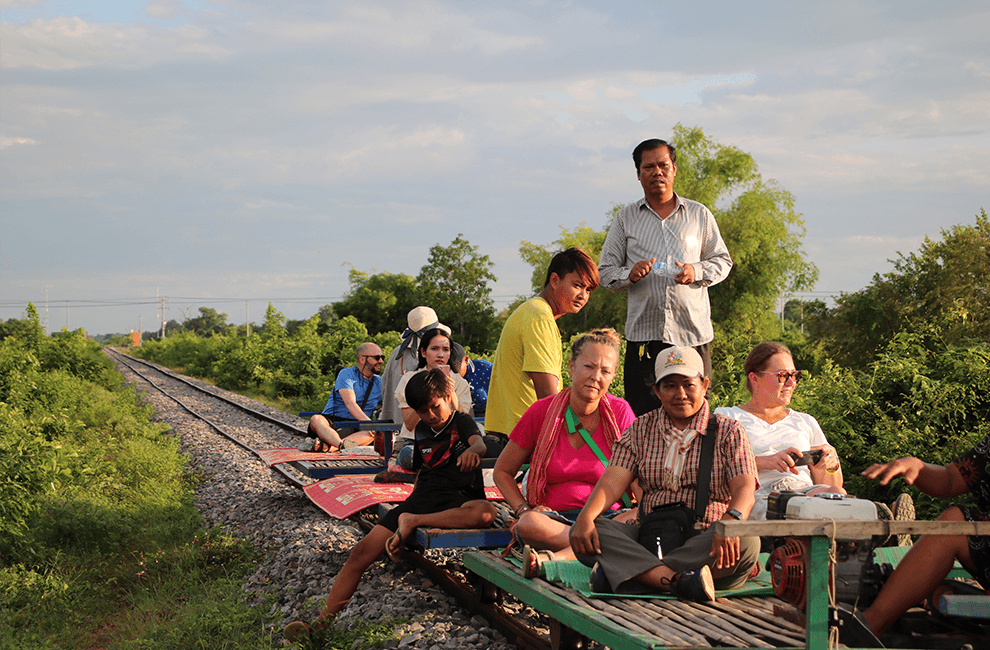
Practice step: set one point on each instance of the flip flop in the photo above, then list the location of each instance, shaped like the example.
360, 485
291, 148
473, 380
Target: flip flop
396, 554
300, 631
296, 631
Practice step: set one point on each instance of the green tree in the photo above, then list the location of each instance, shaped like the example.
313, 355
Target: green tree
274, 327
761, 228
208, 323
951, 276
380, 301
28, 330
455, 282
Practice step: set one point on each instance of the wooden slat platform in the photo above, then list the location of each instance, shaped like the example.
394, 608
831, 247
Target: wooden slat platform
637, 624
321, 469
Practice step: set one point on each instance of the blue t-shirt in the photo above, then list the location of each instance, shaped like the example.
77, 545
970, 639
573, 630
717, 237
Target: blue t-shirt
352, 379
478, 376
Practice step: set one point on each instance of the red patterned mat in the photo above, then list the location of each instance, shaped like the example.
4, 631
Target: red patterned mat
342, 496
291, 454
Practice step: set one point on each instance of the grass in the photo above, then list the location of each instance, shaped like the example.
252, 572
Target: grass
108, 579
101, 545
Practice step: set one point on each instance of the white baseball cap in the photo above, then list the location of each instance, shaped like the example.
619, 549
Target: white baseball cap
678, 360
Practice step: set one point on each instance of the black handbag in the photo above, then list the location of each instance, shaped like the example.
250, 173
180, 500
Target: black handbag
672, 524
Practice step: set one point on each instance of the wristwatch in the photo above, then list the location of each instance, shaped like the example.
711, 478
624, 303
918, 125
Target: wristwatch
735, 514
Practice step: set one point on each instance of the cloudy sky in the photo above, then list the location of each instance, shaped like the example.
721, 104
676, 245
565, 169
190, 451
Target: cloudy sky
233, 152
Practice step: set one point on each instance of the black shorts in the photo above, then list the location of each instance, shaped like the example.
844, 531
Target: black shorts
426, 502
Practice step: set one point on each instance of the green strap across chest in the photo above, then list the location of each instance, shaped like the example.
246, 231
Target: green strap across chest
574, 426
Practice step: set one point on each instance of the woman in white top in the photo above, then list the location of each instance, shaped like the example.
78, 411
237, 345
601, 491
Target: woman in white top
776, 431
434, 352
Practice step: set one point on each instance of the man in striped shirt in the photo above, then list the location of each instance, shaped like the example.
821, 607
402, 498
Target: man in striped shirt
665, 251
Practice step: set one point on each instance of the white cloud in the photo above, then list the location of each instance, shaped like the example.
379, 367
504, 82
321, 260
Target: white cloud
248, 138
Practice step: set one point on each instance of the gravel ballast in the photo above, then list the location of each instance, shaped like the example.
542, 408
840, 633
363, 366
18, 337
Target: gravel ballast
302, 548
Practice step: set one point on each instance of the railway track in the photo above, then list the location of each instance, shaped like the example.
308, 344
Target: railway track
249, 426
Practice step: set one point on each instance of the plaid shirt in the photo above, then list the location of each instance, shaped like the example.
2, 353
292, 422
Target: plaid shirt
641, 450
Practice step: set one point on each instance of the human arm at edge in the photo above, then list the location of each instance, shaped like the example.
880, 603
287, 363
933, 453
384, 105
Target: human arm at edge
715, 261
545, 383
504, 474
726, 550
935, 480
471, 458
819, 471
611, 272
350, 401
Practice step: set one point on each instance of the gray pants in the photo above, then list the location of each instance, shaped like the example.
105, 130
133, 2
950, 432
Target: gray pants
622, 558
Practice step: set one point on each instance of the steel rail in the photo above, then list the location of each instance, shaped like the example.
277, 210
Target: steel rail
470, 597
293, 480
247, 409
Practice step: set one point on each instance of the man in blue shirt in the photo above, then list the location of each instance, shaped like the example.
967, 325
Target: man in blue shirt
477, 373
357, 391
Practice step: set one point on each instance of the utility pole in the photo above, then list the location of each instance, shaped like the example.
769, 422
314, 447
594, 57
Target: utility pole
163, 316
247, 318
66, 314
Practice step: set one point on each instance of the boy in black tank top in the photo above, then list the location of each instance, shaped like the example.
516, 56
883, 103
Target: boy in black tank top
449, 491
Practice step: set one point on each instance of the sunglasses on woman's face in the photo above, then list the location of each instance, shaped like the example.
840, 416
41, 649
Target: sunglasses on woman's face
783, 375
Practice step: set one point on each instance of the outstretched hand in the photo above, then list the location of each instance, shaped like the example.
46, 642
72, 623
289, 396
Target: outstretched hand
907, 467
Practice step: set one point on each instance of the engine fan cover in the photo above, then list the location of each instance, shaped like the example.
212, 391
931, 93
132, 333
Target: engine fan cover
788, 572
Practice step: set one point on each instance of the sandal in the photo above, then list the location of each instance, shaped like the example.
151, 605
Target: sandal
854, 631
300, 631
533, 561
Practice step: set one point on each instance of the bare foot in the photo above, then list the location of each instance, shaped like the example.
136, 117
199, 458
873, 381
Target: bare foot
403, 533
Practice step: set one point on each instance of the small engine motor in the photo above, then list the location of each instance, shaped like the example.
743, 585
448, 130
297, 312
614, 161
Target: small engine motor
852, 577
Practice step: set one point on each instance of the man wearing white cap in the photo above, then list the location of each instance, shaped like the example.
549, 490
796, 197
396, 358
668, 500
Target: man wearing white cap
405, 358
664, 449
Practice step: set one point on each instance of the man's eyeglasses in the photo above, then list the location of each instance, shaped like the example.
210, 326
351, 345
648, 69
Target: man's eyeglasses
376, 357
783, 375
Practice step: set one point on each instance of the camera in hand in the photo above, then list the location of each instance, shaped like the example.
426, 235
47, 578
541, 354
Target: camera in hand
807, 458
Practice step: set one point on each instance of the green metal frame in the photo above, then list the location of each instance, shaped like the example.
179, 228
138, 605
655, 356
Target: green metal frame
599, 628
613, 635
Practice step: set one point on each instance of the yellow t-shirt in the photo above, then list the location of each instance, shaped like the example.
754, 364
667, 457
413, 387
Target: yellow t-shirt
530, 342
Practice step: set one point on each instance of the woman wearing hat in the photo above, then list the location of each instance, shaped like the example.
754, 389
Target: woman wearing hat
405, 358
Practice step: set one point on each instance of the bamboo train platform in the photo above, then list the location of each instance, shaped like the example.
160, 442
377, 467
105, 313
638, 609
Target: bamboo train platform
736, 621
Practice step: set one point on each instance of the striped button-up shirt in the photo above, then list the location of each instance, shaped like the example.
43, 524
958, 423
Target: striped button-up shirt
659, 308
642, 449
